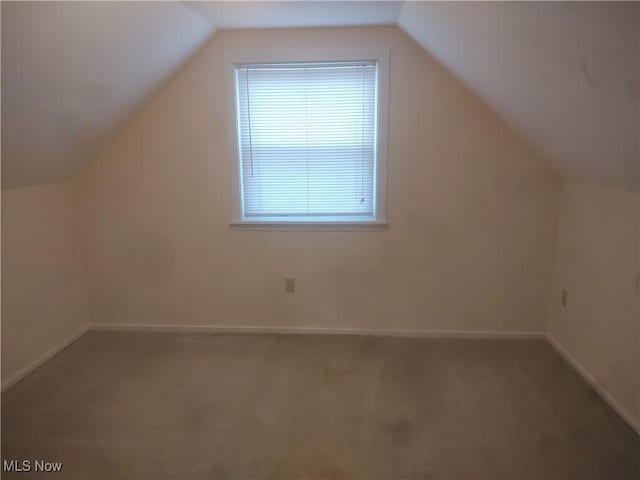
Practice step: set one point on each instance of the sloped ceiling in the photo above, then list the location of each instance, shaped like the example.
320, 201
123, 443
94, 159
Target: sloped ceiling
72, 71
564, 75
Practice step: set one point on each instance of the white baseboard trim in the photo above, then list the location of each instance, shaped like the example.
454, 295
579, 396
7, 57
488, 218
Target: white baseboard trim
15, 378
106, 327
591, 380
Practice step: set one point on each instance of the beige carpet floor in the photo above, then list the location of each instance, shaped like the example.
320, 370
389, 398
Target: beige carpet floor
201, 406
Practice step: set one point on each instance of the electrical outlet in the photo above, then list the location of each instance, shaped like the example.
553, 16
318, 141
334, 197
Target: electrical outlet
290, 285
564, 298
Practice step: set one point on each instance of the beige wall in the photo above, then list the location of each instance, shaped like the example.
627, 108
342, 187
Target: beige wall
43, 298
473, 213
596, 262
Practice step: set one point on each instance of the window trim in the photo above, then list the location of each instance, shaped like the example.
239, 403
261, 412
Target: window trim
381, 57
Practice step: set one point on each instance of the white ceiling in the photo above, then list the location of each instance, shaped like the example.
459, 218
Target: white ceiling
73, 71
565, 75
297, 13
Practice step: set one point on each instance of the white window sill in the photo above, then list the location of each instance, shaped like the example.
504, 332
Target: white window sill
308, 224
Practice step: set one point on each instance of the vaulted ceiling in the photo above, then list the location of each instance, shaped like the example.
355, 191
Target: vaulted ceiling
563, 75
72, 71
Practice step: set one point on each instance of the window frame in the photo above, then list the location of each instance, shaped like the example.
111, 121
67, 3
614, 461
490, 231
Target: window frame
233, 59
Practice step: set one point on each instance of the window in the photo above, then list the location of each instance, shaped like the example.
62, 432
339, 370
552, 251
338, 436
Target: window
307, 143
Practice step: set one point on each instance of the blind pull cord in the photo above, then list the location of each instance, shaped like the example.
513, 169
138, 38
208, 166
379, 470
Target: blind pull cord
362, 144
249, 114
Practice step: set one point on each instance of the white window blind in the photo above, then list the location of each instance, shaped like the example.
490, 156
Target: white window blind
307, 139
